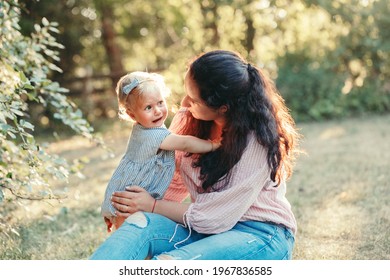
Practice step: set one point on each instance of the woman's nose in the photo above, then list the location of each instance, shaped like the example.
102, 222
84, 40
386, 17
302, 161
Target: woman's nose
185, 102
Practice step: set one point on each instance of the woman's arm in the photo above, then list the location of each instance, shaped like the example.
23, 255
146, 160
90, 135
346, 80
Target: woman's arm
138, 199
171, 209
188, 143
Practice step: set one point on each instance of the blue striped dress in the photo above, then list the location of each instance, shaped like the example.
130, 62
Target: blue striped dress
143, 164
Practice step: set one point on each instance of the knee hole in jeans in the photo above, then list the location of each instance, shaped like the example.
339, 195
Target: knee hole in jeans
137, 219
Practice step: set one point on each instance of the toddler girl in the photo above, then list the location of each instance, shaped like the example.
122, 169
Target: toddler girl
149, 160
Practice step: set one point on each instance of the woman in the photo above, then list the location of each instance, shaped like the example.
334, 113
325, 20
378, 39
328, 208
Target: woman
238, 207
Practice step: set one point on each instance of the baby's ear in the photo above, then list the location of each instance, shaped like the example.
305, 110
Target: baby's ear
130, 113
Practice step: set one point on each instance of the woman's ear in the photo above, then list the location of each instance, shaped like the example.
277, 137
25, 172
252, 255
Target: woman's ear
223, 109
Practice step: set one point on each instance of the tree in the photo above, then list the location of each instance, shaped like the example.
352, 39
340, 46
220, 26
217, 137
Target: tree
113, 51
25, 65
343, 46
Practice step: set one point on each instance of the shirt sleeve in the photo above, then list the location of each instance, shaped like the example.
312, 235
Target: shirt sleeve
177, 190
219, 211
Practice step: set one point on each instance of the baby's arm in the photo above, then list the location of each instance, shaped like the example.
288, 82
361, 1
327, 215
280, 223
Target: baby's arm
188, 143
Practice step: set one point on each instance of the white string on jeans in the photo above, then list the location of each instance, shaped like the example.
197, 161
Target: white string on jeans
186, 225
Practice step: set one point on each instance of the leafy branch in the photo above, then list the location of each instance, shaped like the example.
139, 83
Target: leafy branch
25, 65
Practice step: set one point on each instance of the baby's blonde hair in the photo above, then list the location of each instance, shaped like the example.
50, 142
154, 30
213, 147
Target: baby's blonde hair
146, 83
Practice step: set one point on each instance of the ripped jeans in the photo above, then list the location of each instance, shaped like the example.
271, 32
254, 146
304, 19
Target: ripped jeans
148, 235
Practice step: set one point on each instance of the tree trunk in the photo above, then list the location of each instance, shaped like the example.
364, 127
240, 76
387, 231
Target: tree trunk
250, 34
114, 53
250, 29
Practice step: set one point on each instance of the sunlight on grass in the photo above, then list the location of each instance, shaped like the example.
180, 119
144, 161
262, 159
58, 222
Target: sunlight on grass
339, 194
339, 191
337, 220
333, 132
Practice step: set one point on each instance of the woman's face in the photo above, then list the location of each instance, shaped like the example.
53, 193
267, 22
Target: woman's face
195, 103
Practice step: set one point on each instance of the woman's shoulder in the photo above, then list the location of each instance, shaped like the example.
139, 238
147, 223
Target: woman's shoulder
179, 120
182, 113
254, 145
252, 138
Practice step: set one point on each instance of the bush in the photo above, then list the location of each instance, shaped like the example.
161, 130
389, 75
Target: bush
25, 65
313, 90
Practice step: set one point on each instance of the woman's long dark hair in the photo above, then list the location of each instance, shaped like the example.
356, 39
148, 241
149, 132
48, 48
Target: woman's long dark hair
253, 104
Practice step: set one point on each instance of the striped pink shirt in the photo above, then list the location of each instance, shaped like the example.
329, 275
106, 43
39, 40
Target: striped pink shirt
248, 196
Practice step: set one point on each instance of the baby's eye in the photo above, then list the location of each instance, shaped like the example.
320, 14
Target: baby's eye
161, 103
147, 108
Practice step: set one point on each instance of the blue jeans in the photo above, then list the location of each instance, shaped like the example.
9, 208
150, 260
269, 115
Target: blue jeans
148, 235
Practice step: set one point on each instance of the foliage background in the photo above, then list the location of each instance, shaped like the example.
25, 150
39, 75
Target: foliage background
59, 63
333, 55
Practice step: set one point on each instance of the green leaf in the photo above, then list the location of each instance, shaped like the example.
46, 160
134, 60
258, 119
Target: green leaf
8, 115
2, 118
23, 77
37, 27
28, 86
5, 127
17, 112
45, 22
26, 124
11, 134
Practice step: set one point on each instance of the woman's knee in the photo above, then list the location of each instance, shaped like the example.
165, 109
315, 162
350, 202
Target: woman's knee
137, 219
144, 219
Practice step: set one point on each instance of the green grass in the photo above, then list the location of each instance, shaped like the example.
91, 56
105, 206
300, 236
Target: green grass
339, 194
340, 190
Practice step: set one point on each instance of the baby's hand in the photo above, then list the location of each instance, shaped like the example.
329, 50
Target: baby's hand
215, 145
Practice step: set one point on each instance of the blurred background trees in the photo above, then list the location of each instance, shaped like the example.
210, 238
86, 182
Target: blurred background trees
329, 58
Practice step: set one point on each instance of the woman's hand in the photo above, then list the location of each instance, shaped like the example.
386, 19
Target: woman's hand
132, 200
138, 199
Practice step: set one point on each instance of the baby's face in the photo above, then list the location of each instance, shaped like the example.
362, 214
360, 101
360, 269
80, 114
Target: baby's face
151, 109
